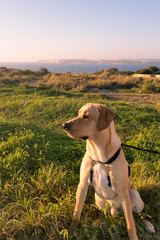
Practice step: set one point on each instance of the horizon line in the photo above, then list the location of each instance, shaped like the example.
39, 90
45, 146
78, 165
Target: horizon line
81, 59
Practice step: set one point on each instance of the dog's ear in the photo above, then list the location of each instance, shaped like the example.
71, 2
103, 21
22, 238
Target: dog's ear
106, 117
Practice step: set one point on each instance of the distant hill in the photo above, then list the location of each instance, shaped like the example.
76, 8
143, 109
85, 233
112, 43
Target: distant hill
100, 61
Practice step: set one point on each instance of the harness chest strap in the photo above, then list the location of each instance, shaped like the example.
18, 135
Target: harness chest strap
111, 160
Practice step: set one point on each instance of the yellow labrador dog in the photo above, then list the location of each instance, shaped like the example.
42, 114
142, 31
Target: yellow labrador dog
104, 166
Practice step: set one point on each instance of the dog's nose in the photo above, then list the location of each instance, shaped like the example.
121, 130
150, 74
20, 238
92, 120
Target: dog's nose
66, 126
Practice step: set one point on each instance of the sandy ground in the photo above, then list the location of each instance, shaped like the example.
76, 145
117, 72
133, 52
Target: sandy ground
130, 97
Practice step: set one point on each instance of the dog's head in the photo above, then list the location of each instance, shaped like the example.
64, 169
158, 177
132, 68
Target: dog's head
91, 118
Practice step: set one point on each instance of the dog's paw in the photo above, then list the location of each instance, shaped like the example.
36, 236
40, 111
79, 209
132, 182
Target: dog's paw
149, 226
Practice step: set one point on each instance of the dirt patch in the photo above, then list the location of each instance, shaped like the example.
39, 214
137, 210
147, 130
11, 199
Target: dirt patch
130, 97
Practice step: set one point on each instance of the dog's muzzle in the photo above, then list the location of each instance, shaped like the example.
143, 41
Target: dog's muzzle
66, 126
84, 138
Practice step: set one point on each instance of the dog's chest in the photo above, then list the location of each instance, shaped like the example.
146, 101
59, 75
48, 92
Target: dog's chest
100, 182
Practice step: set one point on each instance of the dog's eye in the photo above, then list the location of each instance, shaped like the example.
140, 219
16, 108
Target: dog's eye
86, 116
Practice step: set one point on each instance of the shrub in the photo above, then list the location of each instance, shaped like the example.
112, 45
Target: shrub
99, 72
149, 87
153, 69
112, 71
42, 71
28, 72
149, 70
126, 73
143, 71
4, 70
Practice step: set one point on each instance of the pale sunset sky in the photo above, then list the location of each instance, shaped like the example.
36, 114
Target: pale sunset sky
79, 29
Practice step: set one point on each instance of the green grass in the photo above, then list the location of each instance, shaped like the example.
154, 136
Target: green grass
39, 164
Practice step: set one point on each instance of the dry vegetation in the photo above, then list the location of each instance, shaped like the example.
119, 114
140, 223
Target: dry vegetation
85, 82
109, 79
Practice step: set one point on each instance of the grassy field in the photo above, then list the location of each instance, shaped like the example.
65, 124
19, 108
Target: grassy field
39, 164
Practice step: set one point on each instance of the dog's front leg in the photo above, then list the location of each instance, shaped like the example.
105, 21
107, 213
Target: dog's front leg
81, 190
80, 198
127, 209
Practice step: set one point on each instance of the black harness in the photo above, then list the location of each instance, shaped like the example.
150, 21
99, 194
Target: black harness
111, 160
